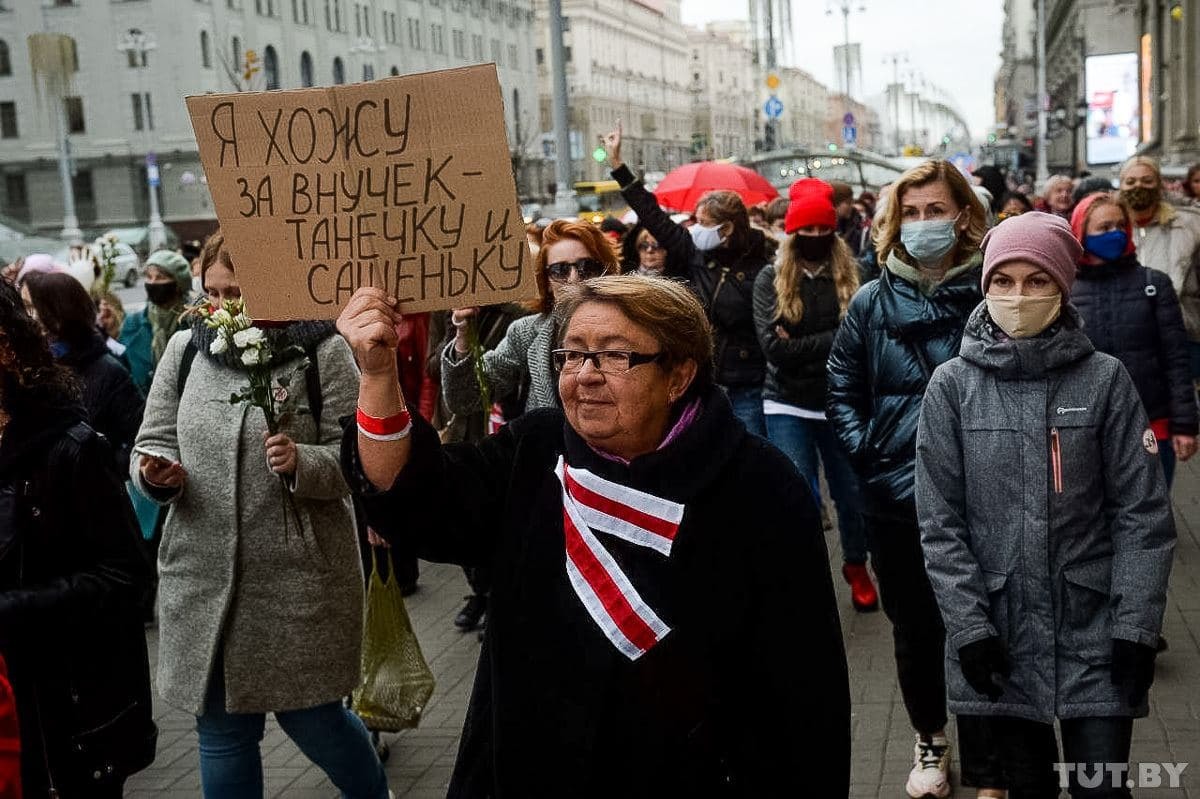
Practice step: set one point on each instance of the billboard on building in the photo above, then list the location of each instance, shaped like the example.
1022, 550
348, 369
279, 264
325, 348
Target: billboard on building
1114, 119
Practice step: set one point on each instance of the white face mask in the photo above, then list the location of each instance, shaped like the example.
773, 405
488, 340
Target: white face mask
706, 238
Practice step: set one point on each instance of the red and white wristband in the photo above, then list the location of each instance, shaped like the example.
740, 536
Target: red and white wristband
387, 428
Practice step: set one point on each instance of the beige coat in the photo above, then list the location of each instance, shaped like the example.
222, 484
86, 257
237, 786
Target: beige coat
289, 620
1172, 245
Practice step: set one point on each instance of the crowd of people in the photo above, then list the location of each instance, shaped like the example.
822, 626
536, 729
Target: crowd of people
994, 389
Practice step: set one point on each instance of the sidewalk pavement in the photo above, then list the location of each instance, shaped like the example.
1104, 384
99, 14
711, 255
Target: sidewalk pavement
421, 760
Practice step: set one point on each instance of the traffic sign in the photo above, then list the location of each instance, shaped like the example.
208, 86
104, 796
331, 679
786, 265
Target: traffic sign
849, 135
152, 176
848, 120
772, 81
773, 108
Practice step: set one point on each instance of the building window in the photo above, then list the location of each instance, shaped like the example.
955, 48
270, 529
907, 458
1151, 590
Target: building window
437, 40
8, 121
567, 54
135, 58
476, 47
496, 51
74, 109
368, 72
205, 51
512, 57
143, 115
566, 24
271, 68
414, 33
337, 15
5, 61
235, 49
459, 42
357, 20
339, 71
328, 17
17, 197
366, 15
304, 10
539, 56
306, 70
395, 71
85, 195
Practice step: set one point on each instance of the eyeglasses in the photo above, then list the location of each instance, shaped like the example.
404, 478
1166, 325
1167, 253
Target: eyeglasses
610, 362
586, 268
650, 246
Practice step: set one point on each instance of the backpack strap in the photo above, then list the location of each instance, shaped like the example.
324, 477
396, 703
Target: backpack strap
312, 382
185, 367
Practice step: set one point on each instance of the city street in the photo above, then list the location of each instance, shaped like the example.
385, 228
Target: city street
421, 760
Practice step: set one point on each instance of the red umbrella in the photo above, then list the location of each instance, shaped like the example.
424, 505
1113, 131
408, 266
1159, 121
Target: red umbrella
683, 187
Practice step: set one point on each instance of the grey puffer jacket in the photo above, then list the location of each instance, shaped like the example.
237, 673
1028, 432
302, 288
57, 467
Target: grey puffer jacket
523, 353
1045, 517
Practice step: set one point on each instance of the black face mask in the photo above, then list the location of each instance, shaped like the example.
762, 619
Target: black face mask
814, 249
162, 294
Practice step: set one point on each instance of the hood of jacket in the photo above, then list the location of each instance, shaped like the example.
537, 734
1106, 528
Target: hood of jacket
79, 356
294, 334
1063, 343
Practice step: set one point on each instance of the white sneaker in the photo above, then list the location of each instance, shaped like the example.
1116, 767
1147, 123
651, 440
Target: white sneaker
930, 775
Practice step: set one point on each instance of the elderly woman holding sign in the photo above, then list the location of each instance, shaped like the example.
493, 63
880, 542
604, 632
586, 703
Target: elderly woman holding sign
647, 551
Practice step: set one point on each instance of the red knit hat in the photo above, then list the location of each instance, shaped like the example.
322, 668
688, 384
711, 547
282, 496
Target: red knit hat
1079, 222
811, 204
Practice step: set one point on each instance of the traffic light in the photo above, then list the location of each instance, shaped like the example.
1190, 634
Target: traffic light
599, 155
832, 147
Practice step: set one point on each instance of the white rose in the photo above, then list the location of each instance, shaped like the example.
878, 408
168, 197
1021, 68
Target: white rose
250, 337
251, 357
222, 317
219, 346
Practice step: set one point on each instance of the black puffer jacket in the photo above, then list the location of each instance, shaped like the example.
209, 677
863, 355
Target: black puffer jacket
113, 403
723, 279
891, 340
796, 365
1132, 313
72, 585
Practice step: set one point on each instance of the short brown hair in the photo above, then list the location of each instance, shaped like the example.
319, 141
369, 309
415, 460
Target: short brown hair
598, 246
214, 252
664, 308
777, 209
63, 307
887, 226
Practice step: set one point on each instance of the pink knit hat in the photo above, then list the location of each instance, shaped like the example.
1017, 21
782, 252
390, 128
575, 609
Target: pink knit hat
1044, 240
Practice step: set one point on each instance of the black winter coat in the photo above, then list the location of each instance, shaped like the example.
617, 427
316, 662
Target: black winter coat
722, 278
720, 707
1132, 312
112, 401
796, 365
891, 340
73, 582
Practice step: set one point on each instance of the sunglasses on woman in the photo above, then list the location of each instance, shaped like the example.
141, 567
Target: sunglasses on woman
650, 246
586, 268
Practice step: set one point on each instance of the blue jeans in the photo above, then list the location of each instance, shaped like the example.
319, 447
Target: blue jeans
802, 440
329, 735
747, 406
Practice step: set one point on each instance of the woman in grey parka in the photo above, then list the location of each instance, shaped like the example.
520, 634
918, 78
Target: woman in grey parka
1046, 526
256, 619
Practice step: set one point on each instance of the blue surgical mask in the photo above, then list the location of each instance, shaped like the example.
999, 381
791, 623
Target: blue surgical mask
705, 238
1107, 246
929, 241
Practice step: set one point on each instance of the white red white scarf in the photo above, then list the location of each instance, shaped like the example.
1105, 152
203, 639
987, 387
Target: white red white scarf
593, 504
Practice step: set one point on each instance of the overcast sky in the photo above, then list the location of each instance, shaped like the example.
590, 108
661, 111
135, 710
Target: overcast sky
952, 43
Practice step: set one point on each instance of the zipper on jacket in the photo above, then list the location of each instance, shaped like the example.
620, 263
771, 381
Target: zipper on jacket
1056, 459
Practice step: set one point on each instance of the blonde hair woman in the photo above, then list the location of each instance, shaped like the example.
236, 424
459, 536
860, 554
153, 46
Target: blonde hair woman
798, 304
1167, 239
897, 330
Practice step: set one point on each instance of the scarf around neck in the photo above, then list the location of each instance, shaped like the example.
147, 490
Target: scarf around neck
304, 335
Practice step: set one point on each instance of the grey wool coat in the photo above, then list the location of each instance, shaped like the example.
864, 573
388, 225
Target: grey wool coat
287, 618
523, 352
1045, 517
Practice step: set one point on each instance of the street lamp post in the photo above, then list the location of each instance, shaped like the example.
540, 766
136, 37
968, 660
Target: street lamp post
897, 88
845, 6
1043, 169
1077, 120
141, 43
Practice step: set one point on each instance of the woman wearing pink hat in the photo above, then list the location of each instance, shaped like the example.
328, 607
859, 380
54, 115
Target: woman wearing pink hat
1046, 527
798, 304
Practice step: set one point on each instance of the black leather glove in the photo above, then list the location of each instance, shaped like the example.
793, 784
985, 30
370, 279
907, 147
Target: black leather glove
1132, 669
985, 666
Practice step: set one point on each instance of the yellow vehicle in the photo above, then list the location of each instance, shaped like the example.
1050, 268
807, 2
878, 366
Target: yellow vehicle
598, 199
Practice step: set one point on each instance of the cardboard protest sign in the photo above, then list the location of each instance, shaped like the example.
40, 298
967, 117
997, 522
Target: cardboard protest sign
403, 183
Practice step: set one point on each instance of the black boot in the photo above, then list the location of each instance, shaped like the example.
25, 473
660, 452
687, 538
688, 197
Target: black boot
468, 618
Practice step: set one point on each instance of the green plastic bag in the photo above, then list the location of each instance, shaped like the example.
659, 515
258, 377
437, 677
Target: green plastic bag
396, 682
